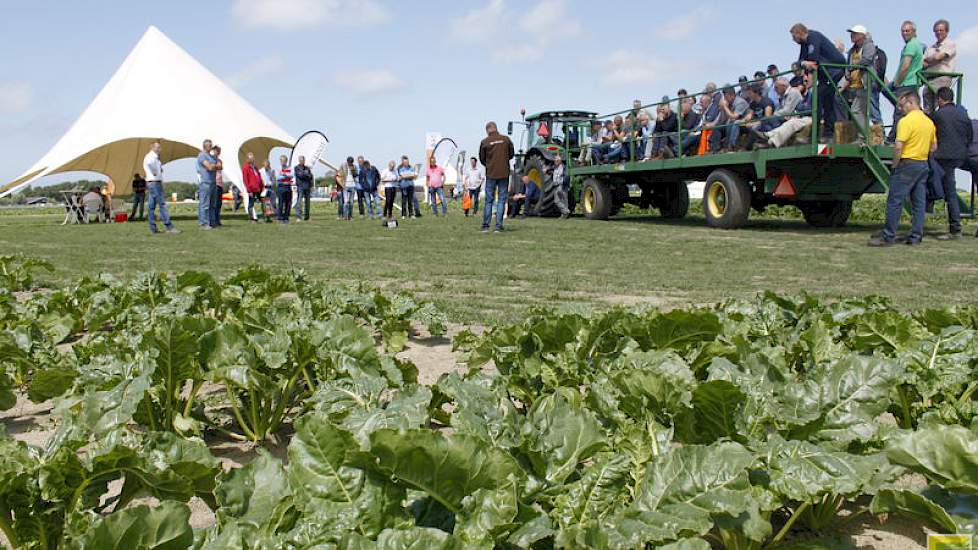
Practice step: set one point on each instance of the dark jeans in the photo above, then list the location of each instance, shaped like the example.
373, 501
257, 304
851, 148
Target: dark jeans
217, 199
474, 195
390, 194
360, 196
407, 201
951, 194
726, 136
284, 197
303, 203
897, 111
493, 186
828, 102
138, 203
909, 179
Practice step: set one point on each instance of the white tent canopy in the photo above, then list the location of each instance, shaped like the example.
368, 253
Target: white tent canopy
159, 92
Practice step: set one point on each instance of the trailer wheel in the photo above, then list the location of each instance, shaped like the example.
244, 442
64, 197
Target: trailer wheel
596, 199
826, 213
726, 200
675, 203
536, 169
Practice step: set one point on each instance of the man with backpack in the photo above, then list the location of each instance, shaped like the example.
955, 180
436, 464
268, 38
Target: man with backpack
862, 54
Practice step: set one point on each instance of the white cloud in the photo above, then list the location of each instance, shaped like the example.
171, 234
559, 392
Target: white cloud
369, 82
537, 29
968, 42
15, 97
287, 15
684, 26
626, 67
260, 68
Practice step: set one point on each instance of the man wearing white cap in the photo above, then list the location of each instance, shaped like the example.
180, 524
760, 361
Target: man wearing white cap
863, 54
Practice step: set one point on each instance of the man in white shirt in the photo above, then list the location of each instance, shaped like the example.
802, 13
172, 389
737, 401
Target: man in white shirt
939, 58
153, 169
474, 178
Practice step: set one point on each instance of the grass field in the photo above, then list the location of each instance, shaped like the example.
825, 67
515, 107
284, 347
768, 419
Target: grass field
476, 278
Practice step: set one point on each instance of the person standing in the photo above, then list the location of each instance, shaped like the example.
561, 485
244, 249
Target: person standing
562, 181
217, 191
817, 50
269, 179
304, 181
954, 135
251, 176
283, 190
369, 179
907, 78
346, 180
389, 179
916, 139
138, 197
154, 186
474, 178
862, 54
495, 153
939, 58
406, 176
436, 186
207, 166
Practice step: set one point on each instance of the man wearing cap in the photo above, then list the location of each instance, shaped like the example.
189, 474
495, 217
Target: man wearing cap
817, 50
863, 54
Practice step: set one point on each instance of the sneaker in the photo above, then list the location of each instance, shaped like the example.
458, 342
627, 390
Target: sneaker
949, 236
880, 242
205, 227
498, 230
173, 231
486, 230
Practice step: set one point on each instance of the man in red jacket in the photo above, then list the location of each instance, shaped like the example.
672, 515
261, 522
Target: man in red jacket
253, 185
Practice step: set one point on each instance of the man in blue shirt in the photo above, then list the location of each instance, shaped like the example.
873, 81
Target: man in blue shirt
818, 50
207, 167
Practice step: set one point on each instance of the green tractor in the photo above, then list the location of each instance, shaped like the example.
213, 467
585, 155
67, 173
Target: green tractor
546, 135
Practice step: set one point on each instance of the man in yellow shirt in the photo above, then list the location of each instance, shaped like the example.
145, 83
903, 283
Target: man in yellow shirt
916, 139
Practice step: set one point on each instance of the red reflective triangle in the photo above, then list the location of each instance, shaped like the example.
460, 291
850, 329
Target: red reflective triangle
543, 131
785, 188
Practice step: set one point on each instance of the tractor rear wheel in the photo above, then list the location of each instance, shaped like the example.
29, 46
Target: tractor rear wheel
596, 199
726, 200
674, 203
535, 168
826, 213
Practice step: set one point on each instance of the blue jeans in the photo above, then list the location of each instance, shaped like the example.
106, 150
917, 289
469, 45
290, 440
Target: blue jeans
349, 194
474, 195
492, 186
440, 193
155, 192
532, 191
204, 203
138, 205
728, 136
909, 178
373, 202
302, 211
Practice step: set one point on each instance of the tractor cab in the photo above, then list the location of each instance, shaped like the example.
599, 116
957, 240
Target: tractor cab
551, 131
547, 135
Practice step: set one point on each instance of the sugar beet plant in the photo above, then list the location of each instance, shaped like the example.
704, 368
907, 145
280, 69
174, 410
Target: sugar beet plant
767, 423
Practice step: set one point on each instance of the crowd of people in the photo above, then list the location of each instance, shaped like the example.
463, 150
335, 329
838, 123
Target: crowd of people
775, 109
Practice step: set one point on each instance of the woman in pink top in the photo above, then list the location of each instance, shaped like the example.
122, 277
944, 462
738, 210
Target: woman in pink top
436, 186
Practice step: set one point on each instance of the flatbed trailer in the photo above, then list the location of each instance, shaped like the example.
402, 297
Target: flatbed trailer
821, 179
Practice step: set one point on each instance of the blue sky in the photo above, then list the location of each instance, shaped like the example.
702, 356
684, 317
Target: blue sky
378, 74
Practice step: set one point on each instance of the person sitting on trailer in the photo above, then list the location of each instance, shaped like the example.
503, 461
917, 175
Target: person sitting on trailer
795, 124
762, 109
709, 117
691, 121
589, 153
734, 112
602, 146
615, 148
788, 97
666, 126
646, 128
